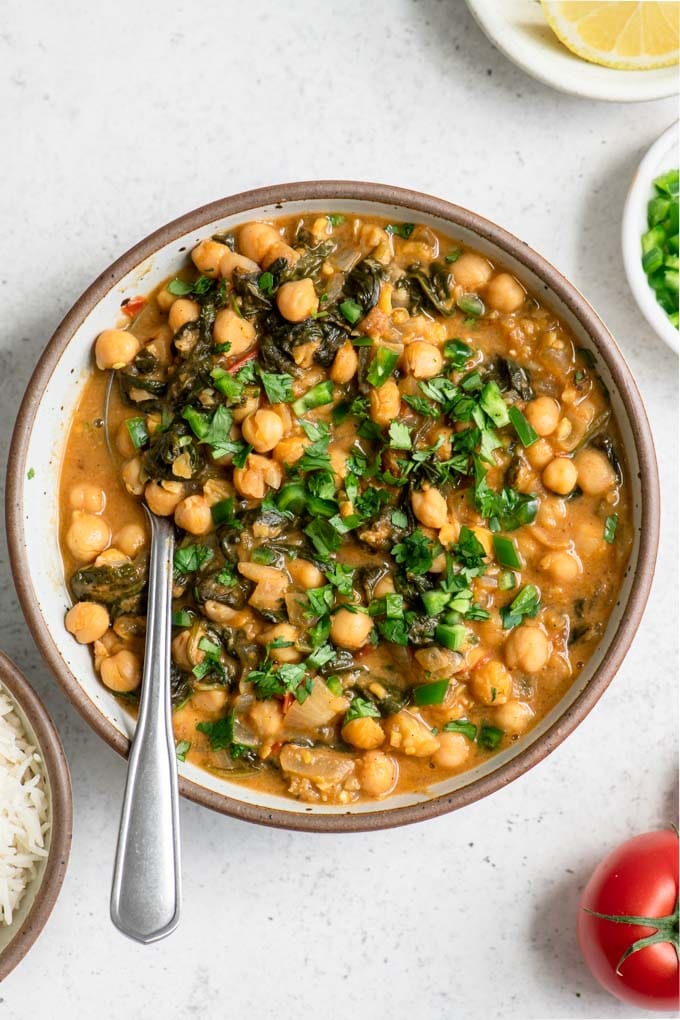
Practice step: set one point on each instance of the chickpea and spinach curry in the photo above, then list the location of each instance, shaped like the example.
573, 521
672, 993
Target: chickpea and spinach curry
400, 502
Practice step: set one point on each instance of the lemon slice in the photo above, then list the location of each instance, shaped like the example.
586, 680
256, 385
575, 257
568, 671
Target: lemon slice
626, 34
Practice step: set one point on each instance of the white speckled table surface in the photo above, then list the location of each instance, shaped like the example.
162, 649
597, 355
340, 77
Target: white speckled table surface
118, 117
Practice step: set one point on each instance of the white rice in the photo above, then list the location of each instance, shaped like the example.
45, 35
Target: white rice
24, 810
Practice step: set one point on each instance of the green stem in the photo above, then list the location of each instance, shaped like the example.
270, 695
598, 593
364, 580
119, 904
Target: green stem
665, 930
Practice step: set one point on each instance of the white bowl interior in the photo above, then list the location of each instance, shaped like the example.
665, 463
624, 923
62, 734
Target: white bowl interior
664, 155
8, 931
46, 449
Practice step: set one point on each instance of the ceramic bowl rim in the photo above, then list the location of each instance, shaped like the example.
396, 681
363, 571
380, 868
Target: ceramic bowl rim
457, 216
56, 768
639, 194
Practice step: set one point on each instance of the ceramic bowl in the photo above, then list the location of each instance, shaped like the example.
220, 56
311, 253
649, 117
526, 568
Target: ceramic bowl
41, 894
519, 29
662, 156
56, 387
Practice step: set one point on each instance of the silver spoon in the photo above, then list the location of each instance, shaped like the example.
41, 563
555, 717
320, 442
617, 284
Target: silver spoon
146, 890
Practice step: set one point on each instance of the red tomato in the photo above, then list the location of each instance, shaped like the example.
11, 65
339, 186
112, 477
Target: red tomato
132, 306
636, 886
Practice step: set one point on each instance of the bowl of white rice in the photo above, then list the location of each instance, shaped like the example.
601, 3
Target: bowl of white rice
36, 815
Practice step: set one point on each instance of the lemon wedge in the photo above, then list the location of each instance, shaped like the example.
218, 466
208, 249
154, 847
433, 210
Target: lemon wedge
626, 34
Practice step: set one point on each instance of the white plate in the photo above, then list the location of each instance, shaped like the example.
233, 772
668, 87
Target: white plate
662, 156
519, 29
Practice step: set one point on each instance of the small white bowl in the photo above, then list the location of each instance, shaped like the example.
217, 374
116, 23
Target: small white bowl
662, 156
41, 893
518, 28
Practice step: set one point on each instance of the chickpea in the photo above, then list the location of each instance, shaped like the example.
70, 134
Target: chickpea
207, 256
505, 293
289, 450
595, 474
345, 364
560, 475
409, 734
543, 414
339, 459
527, 648
122, 672
385, 586
285, 414
162, 497
115, 348
429, 506
213, 701
111, 557
185, 651
131, 473
164, 300
589, 537
350, 630
231, 260
193, 515
297, 300
377, 773
471, 271
88, 497
266, 717
183, 310
485, 539
422, 360
87, 621
263, 430
491, 683
279, 250
453, 750
124, 444
282, 632
87, 536
259, 472
385, 402
230, 328
562, 567
365, 733
249, 406
514, 716
130, 539
449, 533
539, 454
255, 239
240, 619
305, 574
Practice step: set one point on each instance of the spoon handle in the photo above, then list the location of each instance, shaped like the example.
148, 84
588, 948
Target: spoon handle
146, 891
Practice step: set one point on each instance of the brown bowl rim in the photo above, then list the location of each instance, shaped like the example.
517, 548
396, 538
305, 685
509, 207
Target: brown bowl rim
554, 282
59, 778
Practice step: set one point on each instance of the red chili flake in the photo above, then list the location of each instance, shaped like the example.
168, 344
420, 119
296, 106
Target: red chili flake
133, 306
288, 700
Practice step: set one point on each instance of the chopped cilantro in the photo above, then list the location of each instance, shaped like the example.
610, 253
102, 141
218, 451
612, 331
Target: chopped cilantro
416, 553
400, 437
190, 558
278, 387
525, 604
403, 230
468, 729
610, 526
360, 708
181, 748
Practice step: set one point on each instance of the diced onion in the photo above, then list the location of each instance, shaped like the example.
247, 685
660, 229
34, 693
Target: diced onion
319, 709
